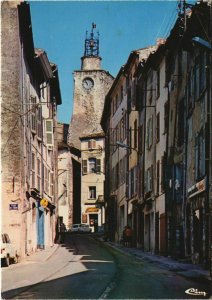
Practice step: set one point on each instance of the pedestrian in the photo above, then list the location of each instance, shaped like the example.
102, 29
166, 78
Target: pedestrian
128, 234
62, 232
123, 240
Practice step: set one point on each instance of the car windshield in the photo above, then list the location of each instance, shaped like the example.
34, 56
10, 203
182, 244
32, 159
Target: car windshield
84, 225
75, 226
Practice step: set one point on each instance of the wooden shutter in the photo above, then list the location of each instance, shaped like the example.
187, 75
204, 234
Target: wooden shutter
84, 166
49, 132
98, 165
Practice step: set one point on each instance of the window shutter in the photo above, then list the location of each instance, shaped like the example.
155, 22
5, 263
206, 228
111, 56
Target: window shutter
196, 158
49, 132
98, 165
203, 156
33, 114
91, 144
145, 182
151, 132
147, 135
84, 167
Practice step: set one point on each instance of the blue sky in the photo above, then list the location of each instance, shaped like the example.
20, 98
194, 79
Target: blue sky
59, 28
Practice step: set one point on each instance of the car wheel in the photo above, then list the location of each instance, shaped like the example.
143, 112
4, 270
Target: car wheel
6, 261
15, 260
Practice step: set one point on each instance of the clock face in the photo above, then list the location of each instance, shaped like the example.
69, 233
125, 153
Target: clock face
88, 83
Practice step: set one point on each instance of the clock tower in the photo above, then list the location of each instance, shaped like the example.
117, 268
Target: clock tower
91, 85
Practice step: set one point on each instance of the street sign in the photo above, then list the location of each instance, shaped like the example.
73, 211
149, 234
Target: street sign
13, 206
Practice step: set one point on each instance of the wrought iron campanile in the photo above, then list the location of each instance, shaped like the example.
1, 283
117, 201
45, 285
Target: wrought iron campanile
92, 43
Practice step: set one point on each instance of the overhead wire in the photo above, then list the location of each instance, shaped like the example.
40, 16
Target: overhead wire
171, 21
168, 23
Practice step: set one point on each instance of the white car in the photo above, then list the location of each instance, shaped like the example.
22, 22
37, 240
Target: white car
80, 228
75, 228
85, 228
8, 251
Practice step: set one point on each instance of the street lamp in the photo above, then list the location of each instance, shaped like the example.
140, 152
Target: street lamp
122, 145
97, 172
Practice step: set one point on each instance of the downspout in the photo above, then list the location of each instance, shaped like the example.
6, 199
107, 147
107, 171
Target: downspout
165, 178
184, 216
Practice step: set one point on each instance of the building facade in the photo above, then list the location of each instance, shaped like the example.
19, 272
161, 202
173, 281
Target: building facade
30, 95
92, 181
168, 145
65, 213
91, 84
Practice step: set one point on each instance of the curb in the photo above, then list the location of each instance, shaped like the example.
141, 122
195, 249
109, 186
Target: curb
194, 275
50, 255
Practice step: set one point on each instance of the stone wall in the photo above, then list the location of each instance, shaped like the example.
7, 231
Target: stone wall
11, 130
88, 105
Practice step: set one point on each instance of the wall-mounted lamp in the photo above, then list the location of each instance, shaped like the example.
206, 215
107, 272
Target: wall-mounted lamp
199, 41
122, 145
97, 172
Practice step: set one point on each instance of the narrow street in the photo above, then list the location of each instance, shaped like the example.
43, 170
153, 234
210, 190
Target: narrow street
85, 268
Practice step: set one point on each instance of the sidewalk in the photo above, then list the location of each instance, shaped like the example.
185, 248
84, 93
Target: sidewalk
17, 277
187, 270
41, 255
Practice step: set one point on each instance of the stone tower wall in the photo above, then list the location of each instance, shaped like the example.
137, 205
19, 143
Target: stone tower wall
91, 63
88, 105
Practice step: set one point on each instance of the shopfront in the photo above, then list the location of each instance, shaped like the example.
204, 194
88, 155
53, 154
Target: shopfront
197, 223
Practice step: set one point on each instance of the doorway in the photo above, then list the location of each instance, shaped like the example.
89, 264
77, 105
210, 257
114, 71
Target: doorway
93, 222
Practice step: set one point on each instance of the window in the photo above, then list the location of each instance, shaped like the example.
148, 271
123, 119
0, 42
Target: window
91, 164
202, 83
46, 180
33, 114
130, 139
98, 165
33, 170
191, 90
38, 174
84, 166
158, 177
122, 93
199, 156
135, 134
158, 84
180, 137
140, 139
149, 136
51, 184
132, 182
148, 180
196, 78
92, 192
158, 128
166, 117
91, 144
49, 132
39, 123
162, 173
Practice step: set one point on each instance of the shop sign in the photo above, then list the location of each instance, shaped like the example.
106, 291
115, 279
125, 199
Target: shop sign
13, 206
92, 209
84, 218
44, 202
197, 188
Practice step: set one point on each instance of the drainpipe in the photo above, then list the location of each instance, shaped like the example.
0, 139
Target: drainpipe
210, 147
185, 176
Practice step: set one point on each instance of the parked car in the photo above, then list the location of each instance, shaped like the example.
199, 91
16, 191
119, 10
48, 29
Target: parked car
81, 228
8, 252
85, 228
75, 228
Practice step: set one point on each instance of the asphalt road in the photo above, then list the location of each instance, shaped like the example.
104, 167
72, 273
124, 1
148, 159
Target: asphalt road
84, 268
